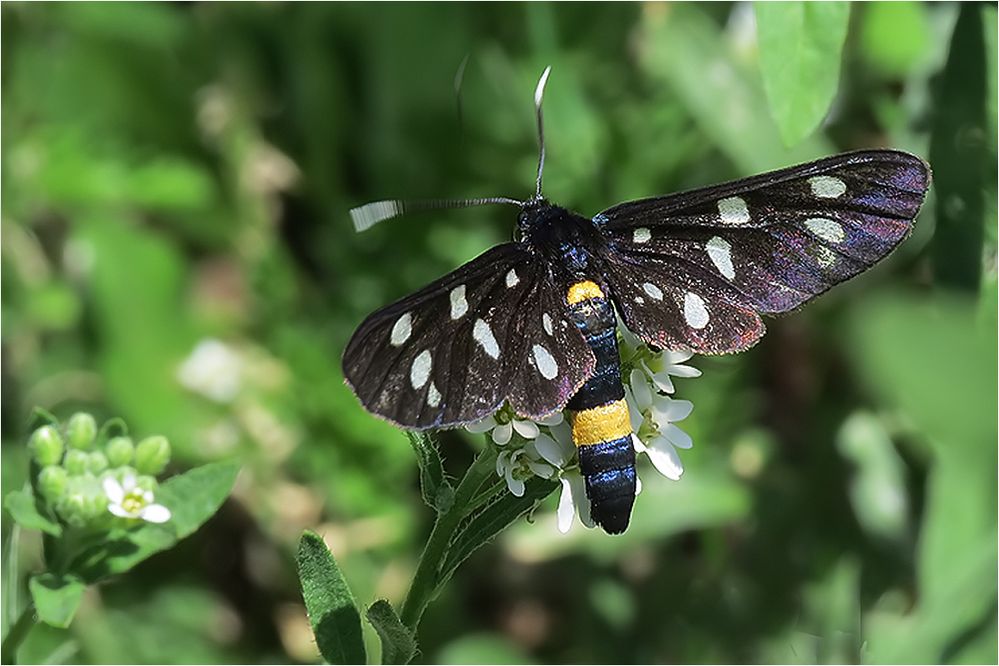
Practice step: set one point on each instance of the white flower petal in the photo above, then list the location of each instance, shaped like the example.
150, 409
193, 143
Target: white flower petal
675, 357
663, 381
638, 486
502, 433
115, 493
118, 510
550, 450
668, 410
637, 443
541, 469
551, 419
482, 425
677, 437
502, 463
128, 483
684, 371
566, 508
526, 429
634, 413
580, 499
155, 513
640, 389
664, 458
516, 486
563, 435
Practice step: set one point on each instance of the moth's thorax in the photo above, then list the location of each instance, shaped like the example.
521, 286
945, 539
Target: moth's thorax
567, 240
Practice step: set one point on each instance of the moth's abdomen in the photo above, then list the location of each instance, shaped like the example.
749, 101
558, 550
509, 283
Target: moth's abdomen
601, 428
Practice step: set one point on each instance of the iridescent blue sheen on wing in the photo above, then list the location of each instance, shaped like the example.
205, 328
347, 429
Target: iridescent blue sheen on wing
765, 244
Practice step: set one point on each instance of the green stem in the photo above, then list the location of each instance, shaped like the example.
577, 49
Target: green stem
424, 586
18, 632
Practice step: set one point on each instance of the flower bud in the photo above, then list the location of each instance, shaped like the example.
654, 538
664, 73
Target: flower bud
81, 430
76, 462
97, 462
46, 445
147, 482
53, 482
120, 451
152, 454
72, 509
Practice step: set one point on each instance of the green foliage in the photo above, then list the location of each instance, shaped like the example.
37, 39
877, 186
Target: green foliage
800, 46
56, 597
333, 613
398, 642
177, 250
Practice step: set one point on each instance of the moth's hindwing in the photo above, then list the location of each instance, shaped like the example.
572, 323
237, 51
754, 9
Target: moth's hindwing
450, 354
720, 255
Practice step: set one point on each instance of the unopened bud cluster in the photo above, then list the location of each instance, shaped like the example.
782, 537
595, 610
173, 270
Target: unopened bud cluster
74, 464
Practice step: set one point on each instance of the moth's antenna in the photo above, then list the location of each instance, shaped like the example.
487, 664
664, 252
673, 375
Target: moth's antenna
368, 215
539, 94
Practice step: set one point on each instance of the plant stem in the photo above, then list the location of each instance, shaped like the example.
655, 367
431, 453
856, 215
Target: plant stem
424, 586
18, 632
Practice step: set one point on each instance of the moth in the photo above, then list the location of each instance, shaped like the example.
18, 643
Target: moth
533, 322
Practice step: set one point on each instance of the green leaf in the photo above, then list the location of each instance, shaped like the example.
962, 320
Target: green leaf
195, 496
686, 49
22, 507
484, 524
56, 598
438, 493
192, 497
398, 643
960, 152
800, 50
332, 611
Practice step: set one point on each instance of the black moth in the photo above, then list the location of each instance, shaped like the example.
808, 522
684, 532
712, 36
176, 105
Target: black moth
533, 322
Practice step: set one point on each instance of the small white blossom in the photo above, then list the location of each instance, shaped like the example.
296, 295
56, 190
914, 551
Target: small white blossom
658, 367
652, 418
504, 423
127, 500
214, 370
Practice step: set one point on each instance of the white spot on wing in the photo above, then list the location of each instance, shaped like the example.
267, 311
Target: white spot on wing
433, 395
825, 256
694, 310
484, 336
402, 329
459, 306
641, 235
545, 362
419, 372
639, 300
720, 252
733, 210
512, 279
546, 321
827, 187
653, 291
826, 229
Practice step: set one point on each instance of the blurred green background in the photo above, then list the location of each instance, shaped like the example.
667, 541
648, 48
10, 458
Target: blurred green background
177, 251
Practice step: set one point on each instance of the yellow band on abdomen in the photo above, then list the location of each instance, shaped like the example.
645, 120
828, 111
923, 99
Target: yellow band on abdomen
582, 291
601, 424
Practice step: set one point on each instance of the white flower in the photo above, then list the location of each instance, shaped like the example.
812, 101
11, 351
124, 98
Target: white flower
127, 500
658, 367
652, 418
214, 370
503, 423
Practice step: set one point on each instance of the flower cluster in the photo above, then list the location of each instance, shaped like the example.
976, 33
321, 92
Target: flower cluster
545, 449
86, 479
